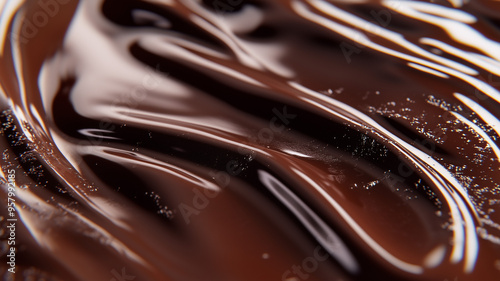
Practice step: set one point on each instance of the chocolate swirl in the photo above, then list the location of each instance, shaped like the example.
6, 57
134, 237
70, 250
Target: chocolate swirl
252, 140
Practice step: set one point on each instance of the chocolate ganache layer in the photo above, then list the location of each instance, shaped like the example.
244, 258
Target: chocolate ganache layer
250, 140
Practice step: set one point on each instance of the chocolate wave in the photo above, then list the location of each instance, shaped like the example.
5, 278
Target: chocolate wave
252, 140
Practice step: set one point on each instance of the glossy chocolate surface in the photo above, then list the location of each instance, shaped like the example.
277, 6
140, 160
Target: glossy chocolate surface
252, 140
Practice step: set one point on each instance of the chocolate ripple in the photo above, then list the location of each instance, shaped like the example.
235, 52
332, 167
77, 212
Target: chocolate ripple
251, 140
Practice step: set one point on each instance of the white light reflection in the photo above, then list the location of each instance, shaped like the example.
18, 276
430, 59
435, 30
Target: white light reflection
435, 257
135, 159
317, 227
8, 10
97, 133
480, 132
484, 114
295, 153
428, 70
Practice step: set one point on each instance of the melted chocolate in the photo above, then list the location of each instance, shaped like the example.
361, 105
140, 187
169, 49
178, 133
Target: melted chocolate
252, 140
